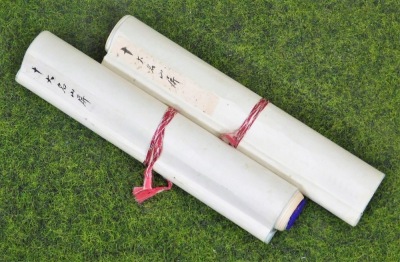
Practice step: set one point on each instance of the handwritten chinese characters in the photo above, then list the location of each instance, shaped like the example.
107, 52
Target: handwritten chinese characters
126, 51
51, 80
172, 80
35, 70
165, 78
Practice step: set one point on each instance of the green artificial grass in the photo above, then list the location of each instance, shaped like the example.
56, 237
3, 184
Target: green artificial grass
65, 193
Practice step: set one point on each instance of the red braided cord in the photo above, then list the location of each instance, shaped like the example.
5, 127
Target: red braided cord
234, 138
156, 145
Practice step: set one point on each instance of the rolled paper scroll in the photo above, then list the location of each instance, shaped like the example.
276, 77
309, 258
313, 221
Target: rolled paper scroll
322, 170
193, 159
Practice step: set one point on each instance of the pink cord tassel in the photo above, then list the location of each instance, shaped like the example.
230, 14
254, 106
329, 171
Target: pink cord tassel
156, 145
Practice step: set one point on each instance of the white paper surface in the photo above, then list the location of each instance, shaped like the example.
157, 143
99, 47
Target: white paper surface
223, 178
322, 170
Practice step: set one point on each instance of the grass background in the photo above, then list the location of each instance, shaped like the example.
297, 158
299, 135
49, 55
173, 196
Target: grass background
65, 193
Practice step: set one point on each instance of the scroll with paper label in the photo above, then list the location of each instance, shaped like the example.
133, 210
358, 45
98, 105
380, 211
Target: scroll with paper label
187, 155
322, 170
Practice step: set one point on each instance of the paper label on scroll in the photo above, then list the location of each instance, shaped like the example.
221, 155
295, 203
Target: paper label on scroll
178, 85
55, 82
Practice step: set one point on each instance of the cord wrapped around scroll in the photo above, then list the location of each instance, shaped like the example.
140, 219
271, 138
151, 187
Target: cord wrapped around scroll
193, 159
322, 170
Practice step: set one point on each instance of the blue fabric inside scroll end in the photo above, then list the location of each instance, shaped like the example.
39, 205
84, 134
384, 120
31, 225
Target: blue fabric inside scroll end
296, 214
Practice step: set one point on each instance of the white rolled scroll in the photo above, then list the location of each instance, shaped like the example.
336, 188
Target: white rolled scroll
223, 178
322, 170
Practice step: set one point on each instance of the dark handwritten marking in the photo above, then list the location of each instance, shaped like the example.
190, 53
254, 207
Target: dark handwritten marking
151, 68
172, 81
63, 87
126, 51
35, 70
49, 79
83, 100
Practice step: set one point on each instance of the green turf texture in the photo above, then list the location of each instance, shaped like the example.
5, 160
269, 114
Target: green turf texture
65, 193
